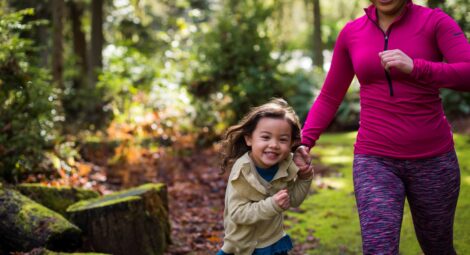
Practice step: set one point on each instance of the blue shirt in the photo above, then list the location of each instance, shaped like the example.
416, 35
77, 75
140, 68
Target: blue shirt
268, 173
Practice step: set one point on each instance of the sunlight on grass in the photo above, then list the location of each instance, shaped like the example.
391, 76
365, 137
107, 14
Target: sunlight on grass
335, 183
466, 180
340, 159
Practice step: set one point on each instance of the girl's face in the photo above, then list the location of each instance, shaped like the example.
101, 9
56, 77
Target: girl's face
390, 8
270, 142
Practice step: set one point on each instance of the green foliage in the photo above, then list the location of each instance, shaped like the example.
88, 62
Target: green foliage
456, 103
236, 62
143, 75
85, 110
28, 101
347, 116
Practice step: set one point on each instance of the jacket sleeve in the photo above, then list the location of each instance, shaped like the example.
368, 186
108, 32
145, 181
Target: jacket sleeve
454, 72
244, 211
298, 191
332, 93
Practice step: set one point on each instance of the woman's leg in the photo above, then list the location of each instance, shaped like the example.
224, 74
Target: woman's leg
380, 196
432, 188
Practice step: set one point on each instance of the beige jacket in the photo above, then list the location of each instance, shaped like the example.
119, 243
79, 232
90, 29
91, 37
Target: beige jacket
251, 217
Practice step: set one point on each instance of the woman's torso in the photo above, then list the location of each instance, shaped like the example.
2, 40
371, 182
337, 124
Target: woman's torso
400, 117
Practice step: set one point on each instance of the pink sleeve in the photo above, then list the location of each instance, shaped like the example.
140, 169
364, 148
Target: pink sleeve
332, 93
454, 73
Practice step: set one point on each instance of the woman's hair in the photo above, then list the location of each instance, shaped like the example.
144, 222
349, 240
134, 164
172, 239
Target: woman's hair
233, 142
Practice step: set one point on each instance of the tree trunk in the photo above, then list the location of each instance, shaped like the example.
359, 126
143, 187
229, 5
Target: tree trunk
25, 224
79, 42
58, 48
133, 221
317, 40
97, 41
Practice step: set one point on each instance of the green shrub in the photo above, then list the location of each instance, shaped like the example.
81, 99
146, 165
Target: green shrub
28, 101
456, 103
237, 70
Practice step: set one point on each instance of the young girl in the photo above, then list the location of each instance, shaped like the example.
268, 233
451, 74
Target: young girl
264, 181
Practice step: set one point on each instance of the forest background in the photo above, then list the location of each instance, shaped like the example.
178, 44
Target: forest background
107, 94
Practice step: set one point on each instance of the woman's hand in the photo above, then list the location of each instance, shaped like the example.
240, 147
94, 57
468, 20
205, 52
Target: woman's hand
396, 59
303, 161
282, 199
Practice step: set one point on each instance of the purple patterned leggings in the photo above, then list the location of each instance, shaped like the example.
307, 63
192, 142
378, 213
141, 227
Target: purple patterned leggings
432, 189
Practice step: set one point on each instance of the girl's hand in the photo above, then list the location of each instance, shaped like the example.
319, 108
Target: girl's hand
282, 199
397, 59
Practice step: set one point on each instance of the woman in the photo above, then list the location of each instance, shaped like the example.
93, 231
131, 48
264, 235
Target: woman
402, 54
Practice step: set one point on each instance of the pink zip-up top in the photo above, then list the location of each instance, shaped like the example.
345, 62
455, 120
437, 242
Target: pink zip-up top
401, 114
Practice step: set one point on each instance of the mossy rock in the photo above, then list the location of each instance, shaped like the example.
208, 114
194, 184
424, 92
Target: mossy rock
133, 221
25, 224
57, 199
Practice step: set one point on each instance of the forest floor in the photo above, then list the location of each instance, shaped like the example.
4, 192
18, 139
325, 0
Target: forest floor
196, 191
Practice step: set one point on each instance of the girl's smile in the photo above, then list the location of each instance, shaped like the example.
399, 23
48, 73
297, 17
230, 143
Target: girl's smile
270, 142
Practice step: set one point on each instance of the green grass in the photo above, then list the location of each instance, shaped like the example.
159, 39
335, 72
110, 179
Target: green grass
330, 216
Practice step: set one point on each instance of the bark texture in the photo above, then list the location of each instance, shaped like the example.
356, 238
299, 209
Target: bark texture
133, 221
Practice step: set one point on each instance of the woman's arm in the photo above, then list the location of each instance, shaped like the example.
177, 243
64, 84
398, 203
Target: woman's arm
454, 73
332, 93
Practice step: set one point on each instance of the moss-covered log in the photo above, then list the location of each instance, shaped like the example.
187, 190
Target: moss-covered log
25, 224
133, 221
57, 199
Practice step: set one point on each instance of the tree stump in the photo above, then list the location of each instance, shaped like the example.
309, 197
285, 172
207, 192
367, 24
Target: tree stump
133, 221
25, 224
57, 199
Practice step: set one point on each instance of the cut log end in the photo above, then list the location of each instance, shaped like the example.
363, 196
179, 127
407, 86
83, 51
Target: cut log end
133, 221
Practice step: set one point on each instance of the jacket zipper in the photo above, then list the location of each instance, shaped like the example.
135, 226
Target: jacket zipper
387, 74
386, 37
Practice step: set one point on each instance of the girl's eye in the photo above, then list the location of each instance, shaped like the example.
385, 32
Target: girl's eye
265, 137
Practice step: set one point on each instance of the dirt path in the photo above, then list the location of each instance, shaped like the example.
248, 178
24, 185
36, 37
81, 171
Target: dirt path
196, 200
196, 196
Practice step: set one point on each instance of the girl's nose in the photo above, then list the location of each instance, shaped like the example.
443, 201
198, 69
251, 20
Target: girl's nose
274, 143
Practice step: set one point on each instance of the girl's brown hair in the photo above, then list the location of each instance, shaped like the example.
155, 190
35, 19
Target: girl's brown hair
233, 142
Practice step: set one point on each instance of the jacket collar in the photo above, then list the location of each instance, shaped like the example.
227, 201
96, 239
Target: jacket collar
246, 166
371, 11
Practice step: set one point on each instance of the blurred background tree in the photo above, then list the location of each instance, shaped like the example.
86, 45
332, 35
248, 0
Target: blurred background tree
80, 69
